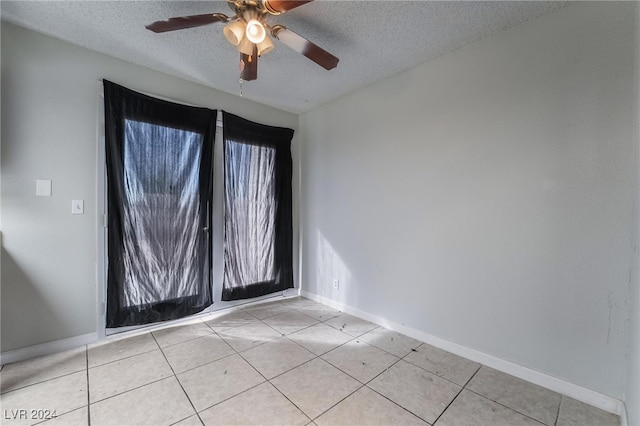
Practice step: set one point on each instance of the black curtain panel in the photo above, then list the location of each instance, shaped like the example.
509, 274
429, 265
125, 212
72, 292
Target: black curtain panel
159, 173
258, 211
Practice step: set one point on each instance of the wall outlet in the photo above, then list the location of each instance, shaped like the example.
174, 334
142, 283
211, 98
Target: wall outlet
336, 284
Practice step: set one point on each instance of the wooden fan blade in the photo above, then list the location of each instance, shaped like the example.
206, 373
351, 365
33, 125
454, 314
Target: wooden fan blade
182, 22
301, 45
250, 65
280, 6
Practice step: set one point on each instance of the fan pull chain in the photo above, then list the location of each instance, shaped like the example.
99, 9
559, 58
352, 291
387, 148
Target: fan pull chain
242, 64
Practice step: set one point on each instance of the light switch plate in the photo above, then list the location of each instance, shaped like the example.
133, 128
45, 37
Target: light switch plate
43, 187
77, 206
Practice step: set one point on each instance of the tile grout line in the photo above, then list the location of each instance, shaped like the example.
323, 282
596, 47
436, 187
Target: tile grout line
132, 389
387, 369
86, 357
306, 362
382, 349
243, 358
503, 405
125, 357
186, 340
231, 397
457, 384
328, 409
373, 378
275, 387
202, 365
349, 375
290, 401
362, 384
295, 311
507, 407
311, 420
42, 381
555, 423
395, 403
181, 420
177, 380
284, 372
438, 375
316, 356
435, 422
137, 387
457, 395
384, 396
289, 310
239, 353
313, 325
300, 365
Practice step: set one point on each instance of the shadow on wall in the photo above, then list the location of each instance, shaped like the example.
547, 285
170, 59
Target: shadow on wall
27, 315
331, 267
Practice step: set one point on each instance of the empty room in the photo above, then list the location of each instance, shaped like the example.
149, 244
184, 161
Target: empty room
279, 212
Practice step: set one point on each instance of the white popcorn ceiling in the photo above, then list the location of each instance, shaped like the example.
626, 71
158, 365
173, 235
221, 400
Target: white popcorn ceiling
373, 39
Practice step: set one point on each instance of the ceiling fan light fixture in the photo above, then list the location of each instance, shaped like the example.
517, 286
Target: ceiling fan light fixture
247, 31
255, 31
234, 32
245, 47
265, 47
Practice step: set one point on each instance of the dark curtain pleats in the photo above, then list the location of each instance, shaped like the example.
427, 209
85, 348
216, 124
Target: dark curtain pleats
159, 172
258, 219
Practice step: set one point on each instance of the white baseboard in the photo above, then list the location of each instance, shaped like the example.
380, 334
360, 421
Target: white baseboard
47, 348
572, 390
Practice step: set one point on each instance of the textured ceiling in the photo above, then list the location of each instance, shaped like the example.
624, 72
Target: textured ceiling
373, 39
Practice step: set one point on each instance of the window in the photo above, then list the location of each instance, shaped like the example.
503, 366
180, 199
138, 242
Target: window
159, 172
257, 194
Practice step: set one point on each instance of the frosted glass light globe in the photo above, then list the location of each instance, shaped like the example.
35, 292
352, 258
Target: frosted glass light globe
255, 31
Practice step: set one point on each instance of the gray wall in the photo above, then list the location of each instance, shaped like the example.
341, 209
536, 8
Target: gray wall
486, 197
49, 107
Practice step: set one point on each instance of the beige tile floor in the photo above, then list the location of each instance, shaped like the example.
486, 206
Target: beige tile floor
287, 362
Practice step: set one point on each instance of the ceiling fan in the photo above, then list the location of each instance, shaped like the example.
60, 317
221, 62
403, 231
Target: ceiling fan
247, 30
